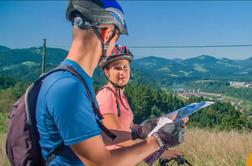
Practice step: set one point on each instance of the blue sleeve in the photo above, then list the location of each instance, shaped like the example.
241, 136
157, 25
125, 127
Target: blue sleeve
71, 109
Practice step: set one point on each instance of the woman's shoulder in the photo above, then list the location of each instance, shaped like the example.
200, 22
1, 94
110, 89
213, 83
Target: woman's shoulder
107, 101
106, 91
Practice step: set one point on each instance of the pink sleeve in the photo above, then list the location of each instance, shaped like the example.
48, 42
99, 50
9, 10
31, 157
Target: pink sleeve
107, 102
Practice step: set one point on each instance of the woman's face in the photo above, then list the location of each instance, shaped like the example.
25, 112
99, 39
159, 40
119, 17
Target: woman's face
118, 72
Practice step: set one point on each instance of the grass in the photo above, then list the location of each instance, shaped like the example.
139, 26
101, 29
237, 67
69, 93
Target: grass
3, 157
201, 148
204, 148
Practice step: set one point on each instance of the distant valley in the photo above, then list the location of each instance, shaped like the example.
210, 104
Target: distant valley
205, 73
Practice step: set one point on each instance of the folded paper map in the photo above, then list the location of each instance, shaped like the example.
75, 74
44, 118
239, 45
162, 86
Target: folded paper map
180, 114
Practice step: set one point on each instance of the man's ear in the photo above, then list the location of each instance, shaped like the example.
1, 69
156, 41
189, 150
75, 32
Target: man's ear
106, 34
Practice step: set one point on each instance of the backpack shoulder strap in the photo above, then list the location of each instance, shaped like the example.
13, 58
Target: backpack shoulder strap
83, 82
31, 96
116, 96
95, 107
30, 102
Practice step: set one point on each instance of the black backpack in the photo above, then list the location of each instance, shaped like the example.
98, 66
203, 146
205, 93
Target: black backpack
22, 143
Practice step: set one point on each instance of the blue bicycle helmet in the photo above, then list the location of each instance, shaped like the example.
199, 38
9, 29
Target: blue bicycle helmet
93, 13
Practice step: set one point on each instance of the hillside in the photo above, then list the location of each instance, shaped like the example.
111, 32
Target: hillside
25, 65
198, 68
163, 71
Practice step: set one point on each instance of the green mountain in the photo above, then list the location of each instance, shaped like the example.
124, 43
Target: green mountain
4, 49
24, 64
246, 64
16, 56
201, 67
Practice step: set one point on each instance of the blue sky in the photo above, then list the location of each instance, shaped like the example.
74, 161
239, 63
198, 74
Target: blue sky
151, 23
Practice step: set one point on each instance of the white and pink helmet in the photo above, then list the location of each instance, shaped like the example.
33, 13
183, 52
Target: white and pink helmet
118, 52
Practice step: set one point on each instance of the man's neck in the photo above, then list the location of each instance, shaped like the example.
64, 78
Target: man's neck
86, 55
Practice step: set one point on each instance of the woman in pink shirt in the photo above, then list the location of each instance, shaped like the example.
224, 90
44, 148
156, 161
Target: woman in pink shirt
111, 98
113, 104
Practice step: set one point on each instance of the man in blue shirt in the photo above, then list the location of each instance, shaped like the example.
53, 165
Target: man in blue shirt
64, 111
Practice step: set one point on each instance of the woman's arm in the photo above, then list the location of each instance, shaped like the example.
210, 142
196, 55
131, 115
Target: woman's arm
124, 138
111, 121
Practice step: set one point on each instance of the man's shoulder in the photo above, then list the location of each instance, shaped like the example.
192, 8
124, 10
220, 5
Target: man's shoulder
61, 81
63, 89
58, 75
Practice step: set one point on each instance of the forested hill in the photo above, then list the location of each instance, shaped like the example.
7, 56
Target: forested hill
198, 68
24, 64
18, 56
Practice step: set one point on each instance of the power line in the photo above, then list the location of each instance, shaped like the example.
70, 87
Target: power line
193, 46
54, 45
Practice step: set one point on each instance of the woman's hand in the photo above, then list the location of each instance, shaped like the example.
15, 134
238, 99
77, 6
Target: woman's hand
142, 130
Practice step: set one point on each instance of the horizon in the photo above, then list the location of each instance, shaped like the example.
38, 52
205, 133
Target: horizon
136, 58
179, 24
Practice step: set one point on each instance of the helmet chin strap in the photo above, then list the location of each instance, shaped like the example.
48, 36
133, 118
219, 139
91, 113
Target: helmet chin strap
104, 45
117, 86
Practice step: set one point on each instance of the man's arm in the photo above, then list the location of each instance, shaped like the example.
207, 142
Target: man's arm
124, 138
94, 150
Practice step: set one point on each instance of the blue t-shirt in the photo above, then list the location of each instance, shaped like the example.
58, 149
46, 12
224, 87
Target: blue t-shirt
65, 114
